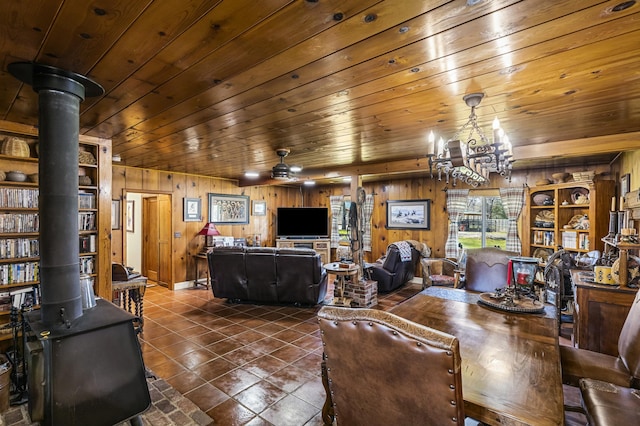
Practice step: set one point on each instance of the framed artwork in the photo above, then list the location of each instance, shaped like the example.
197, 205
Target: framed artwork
625, 184
192, 209
259, 208
229, 209
409, 214
115, 214
130, 215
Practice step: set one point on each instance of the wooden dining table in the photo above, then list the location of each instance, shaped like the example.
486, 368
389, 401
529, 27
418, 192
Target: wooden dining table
511, 371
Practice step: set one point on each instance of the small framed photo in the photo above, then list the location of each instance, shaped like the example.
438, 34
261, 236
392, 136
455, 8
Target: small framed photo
259, 208
192, 209
115, 214
408, 214
229, 209
625, 184
130, 216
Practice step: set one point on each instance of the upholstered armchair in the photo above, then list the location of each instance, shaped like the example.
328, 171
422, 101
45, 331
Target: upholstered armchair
440, 272
370, 353
396, 268
486, 268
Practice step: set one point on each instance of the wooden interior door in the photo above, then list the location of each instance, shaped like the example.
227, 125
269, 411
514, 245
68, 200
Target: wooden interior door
150, 238
164, 240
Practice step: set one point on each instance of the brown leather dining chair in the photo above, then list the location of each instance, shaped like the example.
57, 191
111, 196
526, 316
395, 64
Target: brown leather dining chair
385, 370
606, 404
623, 370
486, 268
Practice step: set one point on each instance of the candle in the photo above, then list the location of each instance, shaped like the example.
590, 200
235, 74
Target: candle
621, 203
613, 204
509, 272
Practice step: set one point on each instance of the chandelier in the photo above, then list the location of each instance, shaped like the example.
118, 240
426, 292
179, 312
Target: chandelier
472, 160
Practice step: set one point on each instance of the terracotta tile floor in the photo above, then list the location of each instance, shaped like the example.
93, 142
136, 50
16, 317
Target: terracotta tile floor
247, 364
242, 364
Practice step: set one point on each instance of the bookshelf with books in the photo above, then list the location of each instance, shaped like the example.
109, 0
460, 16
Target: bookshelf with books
572, 215
19, 225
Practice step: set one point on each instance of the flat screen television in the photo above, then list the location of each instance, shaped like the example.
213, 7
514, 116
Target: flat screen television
302, 222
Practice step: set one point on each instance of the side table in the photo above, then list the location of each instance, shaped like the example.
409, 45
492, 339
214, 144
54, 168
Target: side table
126, 292
198, 258
341, 273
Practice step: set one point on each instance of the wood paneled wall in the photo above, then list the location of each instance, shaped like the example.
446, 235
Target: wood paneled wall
186, 242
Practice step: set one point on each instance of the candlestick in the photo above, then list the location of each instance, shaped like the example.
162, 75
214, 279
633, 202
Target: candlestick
509, 272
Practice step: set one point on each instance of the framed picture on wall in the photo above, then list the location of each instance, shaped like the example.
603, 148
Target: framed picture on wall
115, 214
625, 184
408, 214
192, 209
229, 209
130, 216
259, 208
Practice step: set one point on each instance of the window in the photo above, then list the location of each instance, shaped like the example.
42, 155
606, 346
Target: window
484, 223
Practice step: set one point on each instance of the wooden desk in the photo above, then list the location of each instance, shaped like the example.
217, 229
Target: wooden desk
126, 292
510, 362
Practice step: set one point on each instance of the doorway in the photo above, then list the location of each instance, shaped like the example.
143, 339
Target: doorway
148, 235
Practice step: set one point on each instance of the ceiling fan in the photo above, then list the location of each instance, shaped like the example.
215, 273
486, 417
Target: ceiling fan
282, 171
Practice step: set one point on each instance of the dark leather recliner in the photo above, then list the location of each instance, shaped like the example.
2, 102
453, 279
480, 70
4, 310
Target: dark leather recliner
393, 272
268, 275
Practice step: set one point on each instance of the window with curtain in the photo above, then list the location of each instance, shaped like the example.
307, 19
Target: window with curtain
484, 222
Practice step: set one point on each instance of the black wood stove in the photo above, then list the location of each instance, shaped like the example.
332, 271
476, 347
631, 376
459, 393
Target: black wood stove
83, 367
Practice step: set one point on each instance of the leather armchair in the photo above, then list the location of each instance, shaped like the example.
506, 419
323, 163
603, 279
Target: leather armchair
486, 268
623, 370
370, 353
393, 272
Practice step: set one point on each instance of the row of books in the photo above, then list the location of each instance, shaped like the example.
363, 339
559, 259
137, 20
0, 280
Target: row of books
575, 240
19, 198
87, 265
546, 238
15, 248
19, 222
19, 297
86, 221
11, 273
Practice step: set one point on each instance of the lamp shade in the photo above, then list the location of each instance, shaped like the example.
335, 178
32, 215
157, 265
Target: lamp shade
209, 230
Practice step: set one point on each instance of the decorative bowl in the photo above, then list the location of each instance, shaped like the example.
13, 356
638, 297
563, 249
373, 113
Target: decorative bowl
560, 177
16, 176
542, 200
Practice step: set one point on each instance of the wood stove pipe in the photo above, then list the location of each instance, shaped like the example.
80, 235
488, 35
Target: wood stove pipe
59, 94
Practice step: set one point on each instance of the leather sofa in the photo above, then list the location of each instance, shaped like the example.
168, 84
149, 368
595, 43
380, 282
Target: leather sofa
391, 272
267, 275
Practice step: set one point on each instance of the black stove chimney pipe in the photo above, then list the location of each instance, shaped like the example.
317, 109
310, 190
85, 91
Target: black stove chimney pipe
60, 93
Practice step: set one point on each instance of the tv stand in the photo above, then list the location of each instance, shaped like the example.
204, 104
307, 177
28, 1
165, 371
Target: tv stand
320, 245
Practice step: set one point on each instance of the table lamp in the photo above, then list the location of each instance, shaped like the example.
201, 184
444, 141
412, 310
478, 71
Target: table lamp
209, 230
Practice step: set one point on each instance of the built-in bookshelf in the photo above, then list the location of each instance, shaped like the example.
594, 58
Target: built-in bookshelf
19, 221
571, 215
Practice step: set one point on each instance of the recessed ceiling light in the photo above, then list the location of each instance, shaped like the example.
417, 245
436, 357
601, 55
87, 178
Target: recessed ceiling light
295, 169
251, 174
309, 182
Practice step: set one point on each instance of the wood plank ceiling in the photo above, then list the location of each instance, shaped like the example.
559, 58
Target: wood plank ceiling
349, 86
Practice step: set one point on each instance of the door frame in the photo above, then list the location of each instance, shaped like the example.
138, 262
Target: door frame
144, 193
